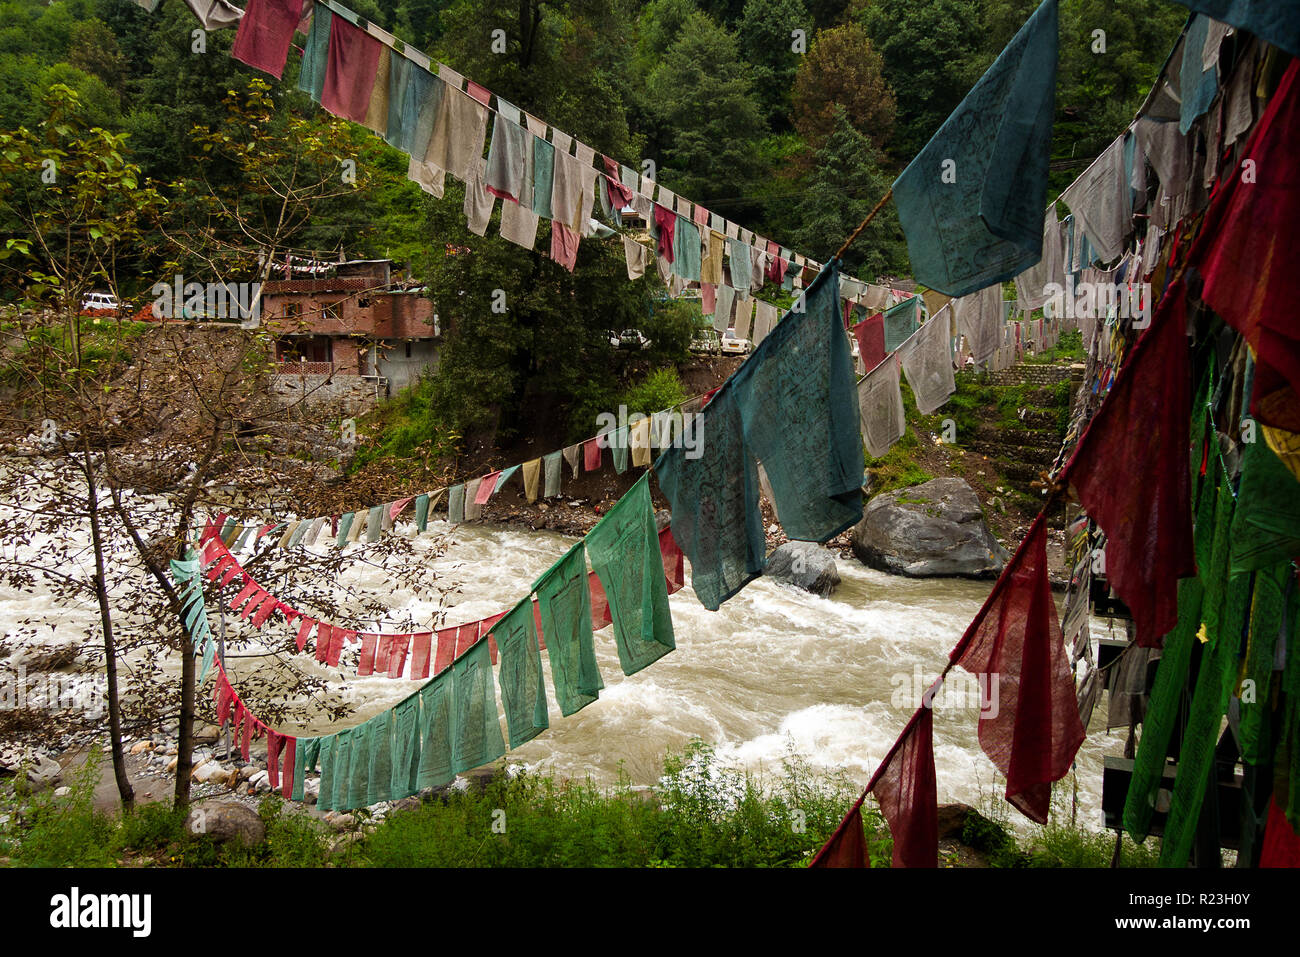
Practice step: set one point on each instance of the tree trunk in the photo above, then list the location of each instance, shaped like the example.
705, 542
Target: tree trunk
124, 788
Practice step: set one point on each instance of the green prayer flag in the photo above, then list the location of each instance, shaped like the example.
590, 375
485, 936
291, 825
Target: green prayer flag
315, 53
328, 754
624, 550
345, 526
477, 736
342, 769
421, 512
380, 776
564, 601
1266, 529
437, 722
406, 748
374, 521
522, 693
359, 766
306, 754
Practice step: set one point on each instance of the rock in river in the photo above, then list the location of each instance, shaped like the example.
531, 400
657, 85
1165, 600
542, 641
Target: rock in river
928, 530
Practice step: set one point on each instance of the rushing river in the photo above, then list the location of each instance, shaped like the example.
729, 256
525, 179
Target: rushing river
775, 670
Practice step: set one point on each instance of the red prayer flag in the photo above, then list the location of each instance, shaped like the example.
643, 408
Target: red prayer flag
591, 455
466, 636
848, 845
290, 752
383, 652
666, 221
446, 650
870, 334
397, 655
420, 645
366, 659
324, 638
600, 614
905, 788
265, 32
336, 646
674, 565
486, 487
232, 572
273, 759
1132, 474
350, 72
480, 93
304, 630
1281, 846
1029, 726
1246, 247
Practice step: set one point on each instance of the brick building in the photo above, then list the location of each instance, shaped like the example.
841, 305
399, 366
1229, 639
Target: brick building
350, 327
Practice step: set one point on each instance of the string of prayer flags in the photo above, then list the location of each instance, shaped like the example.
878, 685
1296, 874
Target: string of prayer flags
971, 202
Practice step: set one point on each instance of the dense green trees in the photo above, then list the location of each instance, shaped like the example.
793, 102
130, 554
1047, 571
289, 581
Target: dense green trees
794, 143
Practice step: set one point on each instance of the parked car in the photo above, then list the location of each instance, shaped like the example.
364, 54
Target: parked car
99, 304
734, 346
629, 339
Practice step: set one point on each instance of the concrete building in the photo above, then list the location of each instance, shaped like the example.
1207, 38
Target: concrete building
349, 331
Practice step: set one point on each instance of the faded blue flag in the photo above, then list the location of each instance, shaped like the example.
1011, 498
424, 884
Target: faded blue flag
1273, 21
971, 202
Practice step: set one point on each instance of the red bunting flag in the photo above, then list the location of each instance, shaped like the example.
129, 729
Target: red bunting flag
905, 788
848, 845
1246, 247
1029, 720
350, 72
1132, 475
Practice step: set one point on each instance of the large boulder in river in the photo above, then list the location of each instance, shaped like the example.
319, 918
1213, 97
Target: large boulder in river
806, 565
928, 530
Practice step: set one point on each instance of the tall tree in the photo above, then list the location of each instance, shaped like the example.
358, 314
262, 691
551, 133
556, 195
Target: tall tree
767, 37
846, 182
842, 69
933, 53
702, 93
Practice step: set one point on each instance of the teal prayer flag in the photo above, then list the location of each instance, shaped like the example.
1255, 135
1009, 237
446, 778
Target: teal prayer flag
315, 53
564, 602
477, 739
971, 202
436, 764
522, 693
406, 748
380, 744
624, 549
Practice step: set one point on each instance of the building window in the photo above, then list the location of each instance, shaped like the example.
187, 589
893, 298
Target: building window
408, 350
